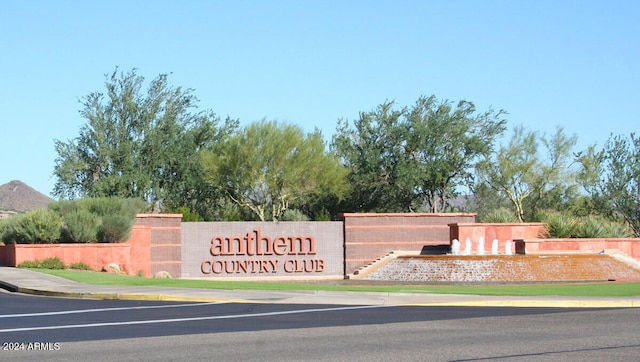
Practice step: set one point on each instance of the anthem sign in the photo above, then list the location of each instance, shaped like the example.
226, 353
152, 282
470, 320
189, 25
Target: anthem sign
262, 249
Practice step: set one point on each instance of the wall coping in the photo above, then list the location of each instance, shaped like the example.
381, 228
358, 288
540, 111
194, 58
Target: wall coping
405, 214
576, 240
64, 245
159, 215
498, 223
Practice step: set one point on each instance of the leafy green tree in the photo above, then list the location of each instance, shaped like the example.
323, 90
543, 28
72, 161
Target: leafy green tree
373, 150
138, 144
411, 158
268, 166
526, 178
611, 176
444, 143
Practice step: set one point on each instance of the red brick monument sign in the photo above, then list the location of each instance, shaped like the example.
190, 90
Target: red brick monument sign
242, 249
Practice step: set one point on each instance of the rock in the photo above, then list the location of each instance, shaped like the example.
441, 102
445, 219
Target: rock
112, 268
163, 275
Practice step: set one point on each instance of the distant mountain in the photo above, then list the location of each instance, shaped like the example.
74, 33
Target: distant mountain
20, 197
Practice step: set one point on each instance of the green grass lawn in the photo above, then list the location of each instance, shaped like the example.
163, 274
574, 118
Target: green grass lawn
583, 289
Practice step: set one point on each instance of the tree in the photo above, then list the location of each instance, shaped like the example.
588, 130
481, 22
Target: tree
373, 151
611, 176
137, 144
445, 143
519, 173
404, 160
268, 166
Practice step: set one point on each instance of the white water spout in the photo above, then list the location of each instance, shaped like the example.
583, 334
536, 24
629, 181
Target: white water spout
467, 248
481, 246
507, 248
455, 247
494, 247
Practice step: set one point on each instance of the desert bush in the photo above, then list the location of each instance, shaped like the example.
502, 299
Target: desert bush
64, 207
52, 263
115, 228
29, 264
598, 227
40, 226
618, 230
501, 215
81, 226
188, 215
563, 225
592, 227
294, 215
322, 215
49, 263
103, 219
559, 225
108, 206
4, 228
79, 266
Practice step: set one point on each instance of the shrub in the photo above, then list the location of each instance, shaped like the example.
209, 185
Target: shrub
103, 219
40, 226
559, 225
322, 215
49, 263
617, 230
108, 206
29, 264
188, 215
64, 207
52, 263
79, 266
597, 227
294, 215
592, 227
81, 226
501, 215
4, 228
115, 228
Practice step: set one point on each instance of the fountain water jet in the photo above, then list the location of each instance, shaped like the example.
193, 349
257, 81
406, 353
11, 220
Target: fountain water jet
481, 246
467, 248
494, 247
455, 247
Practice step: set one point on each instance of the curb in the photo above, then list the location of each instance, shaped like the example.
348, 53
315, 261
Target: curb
478, 303
538, 304
124, 296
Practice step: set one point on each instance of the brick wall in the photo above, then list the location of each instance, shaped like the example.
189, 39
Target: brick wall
627, 246
490, 231
165, 242
368, 236
154, 245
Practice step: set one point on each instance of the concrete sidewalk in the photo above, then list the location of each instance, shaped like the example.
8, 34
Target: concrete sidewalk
31, 282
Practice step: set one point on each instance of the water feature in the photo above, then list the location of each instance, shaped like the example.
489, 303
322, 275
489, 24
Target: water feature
467, 248
455, 247
503, 268
481, 246
494, 247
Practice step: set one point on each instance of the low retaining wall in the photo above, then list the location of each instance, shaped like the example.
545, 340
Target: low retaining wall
490, 231
368, 236
627, 246
154, 245
94, 255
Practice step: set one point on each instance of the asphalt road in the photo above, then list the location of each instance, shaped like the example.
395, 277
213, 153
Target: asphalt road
42, 328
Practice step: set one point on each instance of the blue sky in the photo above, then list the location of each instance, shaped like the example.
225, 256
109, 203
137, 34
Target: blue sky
574, 64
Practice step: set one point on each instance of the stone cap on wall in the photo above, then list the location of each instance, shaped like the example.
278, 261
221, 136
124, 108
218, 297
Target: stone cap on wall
405, 214
158, 215
498, 223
